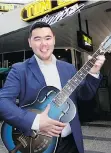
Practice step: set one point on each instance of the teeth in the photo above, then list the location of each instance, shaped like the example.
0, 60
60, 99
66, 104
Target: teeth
44, 50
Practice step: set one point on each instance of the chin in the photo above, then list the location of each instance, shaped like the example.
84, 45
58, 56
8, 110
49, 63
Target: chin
46, 57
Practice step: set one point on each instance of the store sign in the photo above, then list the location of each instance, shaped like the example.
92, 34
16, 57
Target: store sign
54, 18
7, 7
84, 41
42, 7
87, 40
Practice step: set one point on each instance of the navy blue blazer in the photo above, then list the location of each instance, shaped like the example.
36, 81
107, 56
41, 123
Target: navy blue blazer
25, 81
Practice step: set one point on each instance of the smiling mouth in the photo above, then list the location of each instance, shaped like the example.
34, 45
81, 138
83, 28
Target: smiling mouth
44, 51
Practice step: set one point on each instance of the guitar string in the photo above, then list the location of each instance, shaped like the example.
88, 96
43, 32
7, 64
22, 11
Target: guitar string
57, 97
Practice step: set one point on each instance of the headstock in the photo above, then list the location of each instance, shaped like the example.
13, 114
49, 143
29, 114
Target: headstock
105, 46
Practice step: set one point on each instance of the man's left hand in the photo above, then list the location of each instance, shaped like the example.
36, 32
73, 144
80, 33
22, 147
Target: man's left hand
98, 64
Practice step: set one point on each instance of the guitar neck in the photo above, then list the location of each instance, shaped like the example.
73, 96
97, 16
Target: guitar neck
74, 82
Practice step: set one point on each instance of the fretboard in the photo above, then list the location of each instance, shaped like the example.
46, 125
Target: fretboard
74, 82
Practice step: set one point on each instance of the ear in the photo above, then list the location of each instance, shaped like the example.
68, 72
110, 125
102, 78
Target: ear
29, 42
54, 40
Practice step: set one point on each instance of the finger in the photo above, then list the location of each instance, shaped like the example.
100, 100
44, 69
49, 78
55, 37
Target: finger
101, 57
89, 57
49, 135
53, 134
47, 109
55, 131
57, 123
58, 128
99, 62
46, 134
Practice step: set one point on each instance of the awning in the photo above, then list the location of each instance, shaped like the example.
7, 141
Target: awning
3, 72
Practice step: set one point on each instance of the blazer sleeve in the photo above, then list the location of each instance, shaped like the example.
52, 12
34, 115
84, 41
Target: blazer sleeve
88, 87
9, 111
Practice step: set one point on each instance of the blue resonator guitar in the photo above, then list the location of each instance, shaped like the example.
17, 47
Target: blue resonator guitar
62, 109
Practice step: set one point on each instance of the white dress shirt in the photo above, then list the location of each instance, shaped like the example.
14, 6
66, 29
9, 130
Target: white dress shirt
52, 78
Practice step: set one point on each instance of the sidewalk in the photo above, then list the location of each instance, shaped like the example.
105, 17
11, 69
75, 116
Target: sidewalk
97, 137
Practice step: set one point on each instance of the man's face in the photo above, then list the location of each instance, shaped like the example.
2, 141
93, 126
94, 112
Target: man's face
42, 42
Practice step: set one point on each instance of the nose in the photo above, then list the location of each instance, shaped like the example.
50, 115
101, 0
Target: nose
44, 45
43, 42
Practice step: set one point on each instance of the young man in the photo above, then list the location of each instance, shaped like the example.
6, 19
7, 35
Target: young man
25, 80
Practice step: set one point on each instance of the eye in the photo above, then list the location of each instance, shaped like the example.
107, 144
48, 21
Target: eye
48, 38
37, 39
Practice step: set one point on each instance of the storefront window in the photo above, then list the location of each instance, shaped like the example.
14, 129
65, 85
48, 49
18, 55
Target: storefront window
63, 54
11, 58
28, 54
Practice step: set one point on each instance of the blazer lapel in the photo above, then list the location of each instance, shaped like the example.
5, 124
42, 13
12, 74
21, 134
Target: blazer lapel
34, 67
62, 73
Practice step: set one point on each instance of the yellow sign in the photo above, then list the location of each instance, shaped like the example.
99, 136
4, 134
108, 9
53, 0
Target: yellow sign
42, 7
8, 7
88, 40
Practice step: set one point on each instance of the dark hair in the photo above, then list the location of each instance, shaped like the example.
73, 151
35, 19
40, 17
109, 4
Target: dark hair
38, 25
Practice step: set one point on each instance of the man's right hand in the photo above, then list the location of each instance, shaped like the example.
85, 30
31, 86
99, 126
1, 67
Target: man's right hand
48, 126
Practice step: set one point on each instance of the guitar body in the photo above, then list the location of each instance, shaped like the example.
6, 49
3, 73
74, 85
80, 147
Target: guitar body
16, 142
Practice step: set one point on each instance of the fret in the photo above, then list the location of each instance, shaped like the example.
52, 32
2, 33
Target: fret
90, 64
75, 81
100, 52
74, 84
96, 54
71, 84
93, 60
59, 97
82, 75
86, 67
78, 77
56, 101
84, 71
65, 92
68, 88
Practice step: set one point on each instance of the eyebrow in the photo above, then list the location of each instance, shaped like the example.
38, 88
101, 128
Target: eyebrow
49, 36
